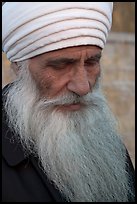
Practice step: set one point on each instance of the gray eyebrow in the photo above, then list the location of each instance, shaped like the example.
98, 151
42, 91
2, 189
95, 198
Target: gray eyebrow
55, 62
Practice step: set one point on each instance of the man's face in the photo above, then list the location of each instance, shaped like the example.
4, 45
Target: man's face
68, 70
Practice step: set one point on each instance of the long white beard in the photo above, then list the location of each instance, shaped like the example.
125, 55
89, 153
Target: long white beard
79, 151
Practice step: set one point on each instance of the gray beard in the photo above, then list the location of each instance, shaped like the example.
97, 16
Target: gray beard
80, 152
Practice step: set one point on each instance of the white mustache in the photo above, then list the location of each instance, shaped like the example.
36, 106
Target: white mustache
71, 98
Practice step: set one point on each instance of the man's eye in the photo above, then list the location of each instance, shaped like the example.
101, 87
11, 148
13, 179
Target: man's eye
91, 63
62, 65
59, 67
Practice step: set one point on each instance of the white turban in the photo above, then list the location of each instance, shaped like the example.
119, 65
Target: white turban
33, 28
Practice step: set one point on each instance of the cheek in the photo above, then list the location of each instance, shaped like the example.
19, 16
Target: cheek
43, 81
94, 75
97, 70
94, 72
49, 84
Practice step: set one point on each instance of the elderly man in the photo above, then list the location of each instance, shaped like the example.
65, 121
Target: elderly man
60, 140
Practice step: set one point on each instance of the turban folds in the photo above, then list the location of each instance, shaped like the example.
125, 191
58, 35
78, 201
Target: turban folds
33, 28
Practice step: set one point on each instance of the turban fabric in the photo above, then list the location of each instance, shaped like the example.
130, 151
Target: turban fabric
33, 28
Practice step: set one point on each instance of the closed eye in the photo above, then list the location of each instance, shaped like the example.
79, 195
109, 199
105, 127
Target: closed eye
94, 60
60, 63
91, 62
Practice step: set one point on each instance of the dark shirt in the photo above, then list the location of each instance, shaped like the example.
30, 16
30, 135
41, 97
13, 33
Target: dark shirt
22, 177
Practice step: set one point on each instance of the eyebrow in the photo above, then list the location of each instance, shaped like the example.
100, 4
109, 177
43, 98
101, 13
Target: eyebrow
64, 60
56, 62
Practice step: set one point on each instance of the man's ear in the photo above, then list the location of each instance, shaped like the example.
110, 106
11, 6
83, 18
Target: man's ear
14, 66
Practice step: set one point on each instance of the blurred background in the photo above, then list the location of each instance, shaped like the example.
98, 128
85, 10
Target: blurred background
118, 66
118, 71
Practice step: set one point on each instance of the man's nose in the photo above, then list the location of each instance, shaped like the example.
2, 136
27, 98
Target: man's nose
79, 82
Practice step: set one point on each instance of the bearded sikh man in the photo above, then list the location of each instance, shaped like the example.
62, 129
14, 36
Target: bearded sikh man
60, 141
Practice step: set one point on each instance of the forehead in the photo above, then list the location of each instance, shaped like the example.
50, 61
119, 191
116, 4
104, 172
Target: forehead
71, 52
